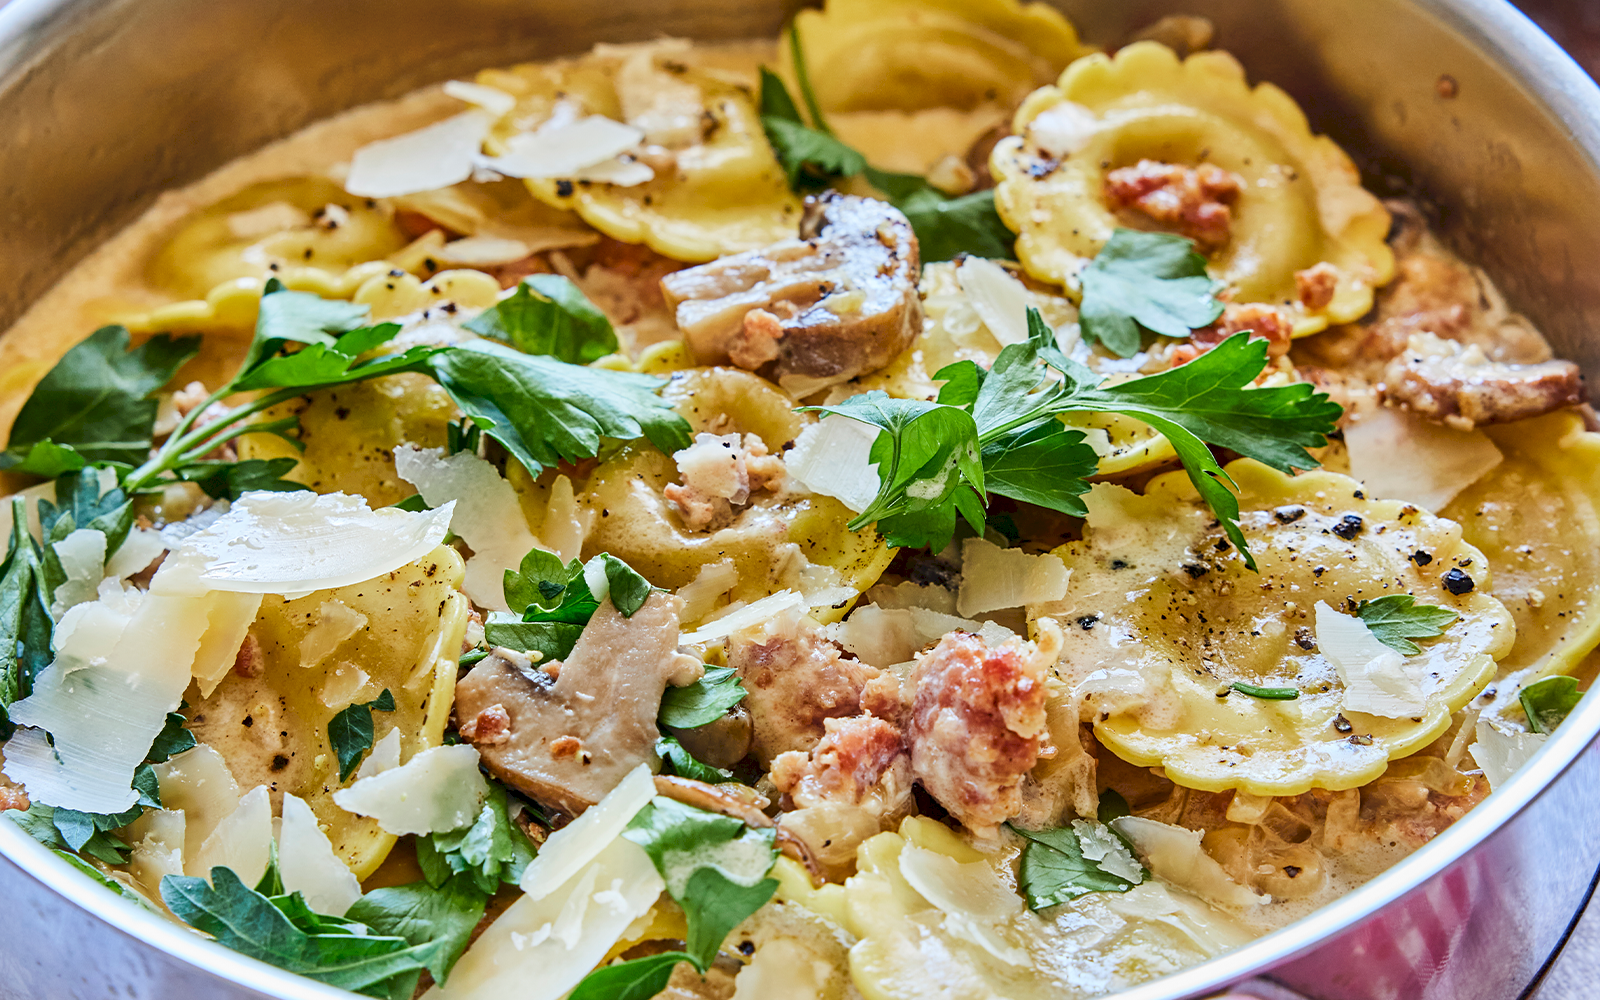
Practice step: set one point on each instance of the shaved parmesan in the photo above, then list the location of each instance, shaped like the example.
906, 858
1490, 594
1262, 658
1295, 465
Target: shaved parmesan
668, 109
974, 901
914, 595
744, 616
574, 846
622, 172
1107, 850
482, 251
999, 299
137, 552
1174, 855
82, 555
486, 514
343, 685
307, 864
336, 622
157, 839
783, 969
496, 102
1398, 455
1501, 752
436, 791
700, 595
993, 578
566, 522
296, 543
1063, 129
437, 156
122, 663
884, 637
832, 457
563, 148
542, 946
241, 842
1212, 930
385, 755
227, 624
198, 783
1375, 677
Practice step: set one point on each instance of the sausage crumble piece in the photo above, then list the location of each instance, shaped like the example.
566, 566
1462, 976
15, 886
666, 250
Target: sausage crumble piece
796, 679
1458, 385
976, 723
1264, 322
839, 302
566, 732
720, 473
1194, 201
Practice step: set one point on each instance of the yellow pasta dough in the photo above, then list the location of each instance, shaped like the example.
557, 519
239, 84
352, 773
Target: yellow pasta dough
1171, 618
272, 726
774, 539
869, 55
1301, 202
717, 191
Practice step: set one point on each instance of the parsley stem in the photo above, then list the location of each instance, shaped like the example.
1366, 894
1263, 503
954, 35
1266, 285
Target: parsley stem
803, 78
180, 448
1265, 693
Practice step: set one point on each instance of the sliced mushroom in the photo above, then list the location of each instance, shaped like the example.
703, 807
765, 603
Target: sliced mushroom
837, 303
572, 729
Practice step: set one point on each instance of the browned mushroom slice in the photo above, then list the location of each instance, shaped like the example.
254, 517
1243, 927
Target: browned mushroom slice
839, 302
1458, 385
566, 732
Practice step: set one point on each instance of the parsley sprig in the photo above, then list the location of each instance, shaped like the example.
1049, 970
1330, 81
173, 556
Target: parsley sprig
813, 157
1140, 282
998, 431
1396, 619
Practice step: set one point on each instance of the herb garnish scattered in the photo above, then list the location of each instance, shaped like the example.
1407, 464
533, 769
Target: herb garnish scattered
715, 868
1549, 701
813, 157
559, 599
350, 732
1145, 281
547, 314
1396, 619
997, 430
1265, 693
1055, 867
676, 759
487, 851
703, 702
282, 930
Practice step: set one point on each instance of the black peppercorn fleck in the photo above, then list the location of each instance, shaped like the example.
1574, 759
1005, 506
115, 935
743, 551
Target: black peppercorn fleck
1289, 515
1348, 527
1421, 558
1457, 582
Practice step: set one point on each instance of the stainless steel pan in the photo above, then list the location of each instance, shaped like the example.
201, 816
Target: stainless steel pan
104, 103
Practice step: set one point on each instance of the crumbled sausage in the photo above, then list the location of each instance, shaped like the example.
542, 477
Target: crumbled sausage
796, 679
1459, 386
1263, 322
490, 726
720, 473
1194, 201
1316, 285
839, 302
976, 723
249, 661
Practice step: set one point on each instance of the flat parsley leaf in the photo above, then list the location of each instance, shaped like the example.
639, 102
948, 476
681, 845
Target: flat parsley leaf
1054, 868
997, 430
715, 868
488, 851
350, 732
635, 979
97, 401
812, 158
25, 623
1549, 701
547, 314
545, 411
438, 919
282, 931
675, 759
1145, 281
703, 702
559, 601
298, 317
1396, 619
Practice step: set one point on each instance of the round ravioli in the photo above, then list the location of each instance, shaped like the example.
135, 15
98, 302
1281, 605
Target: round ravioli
718, 188
1302, 233
900, 55
1536, 517
317, 655
778, 541
272, 228
1167, 619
